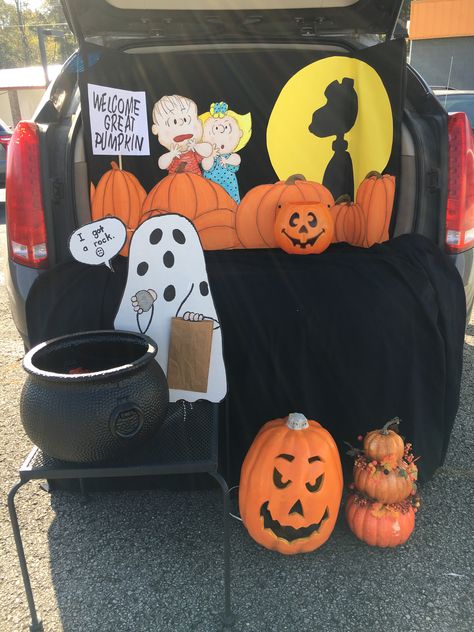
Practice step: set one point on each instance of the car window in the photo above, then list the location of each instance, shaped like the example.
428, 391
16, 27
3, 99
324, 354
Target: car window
459, 103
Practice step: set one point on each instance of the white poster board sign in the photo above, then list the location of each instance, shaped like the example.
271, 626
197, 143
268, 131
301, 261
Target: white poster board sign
119, 122
98, 242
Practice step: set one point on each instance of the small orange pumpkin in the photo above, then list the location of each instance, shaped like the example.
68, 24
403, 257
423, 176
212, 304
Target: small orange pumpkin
291, 485
386, 486
349, 221
187, 194
379, 443
119, 194
257, 210
303, 228
377, 524
375, 195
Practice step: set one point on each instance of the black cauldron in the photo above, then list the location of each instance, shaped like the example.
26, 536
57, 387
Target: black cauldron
93, 396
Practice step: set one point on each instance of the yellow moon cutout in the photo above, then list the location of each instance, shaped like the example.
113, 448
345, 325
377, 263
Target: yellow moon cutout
294, 149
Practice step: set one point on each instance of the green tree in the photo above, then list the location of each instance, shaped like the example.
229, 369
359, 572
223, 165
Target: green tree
19, 44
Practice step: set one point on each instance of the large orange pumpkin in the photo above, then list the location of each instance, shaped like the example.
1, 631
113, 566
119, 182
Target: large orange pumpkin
375, 196
291, 485
386, 486
377, 524
303, 228
349, 221
379, 443
187, 194
119, 194
257, 211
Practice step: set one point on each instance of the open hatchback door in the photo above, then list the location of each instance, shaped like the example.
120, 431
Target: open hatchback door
114, 22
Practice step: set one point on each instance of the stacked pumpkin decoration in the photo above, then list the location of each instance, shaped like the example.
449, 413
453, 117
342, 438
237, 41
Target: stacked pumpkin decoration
204, 202
381, 508
367, 220
291, 485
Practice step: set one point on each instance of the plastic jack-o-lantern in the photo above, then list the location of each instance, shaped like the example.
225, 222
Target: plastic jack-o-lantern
291, 485
304, 228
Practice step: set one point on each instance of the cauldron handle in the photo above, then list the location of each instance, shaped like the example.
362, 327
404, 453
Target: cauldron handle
126, 420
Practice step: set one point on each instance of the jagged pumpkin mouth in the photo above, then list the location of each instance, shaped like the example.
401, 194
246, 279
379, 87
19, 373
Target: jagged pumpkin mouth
303, 244
286, 532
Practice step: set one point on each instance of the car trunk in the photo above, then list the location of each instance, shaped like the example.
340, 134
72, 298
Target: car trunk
343, 336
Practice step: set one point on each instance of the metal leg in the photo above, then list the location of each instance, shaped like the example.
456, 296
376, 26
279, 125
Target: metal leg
36, 625
85, 496
228, 616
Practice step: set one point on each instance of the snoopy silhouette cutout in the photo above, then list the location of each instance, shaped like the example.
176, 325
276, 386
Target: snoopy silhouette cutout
336, 118
167, 278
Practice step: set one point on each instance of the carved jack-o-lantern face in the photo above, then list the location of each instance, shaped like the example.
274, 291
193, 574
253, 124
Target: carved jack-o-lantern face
291, 485
304, 227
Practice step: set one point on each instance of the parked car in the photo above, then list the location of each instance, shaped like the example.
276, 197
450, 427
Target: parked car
47, 182
5, 135
457, 101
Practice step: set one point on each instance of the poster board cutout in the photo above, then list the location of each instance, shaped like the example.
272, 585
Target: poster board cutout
167, 278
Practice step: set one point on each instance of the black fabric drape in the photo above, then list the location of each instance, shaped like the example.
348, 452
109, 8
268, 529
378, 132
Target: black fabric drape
351, 337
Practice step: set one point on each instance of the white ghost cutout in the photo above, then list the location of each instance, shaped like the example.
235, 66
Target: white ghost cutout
167, 277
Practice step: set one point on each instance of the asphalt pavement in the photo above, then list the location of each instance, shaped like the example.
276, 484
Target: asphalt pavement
151, 561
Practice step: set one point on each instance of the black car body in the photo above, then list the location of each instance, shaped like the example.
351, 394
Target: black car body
48, 187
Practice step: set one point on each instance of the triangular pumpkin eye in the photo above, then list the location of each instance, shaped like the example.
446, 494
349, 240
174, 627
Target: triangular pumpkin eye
278, 480
317, 484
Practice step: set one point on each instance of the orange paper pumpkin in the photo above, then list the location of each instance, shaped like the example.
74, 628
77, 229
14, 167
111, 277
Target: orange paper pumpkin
118, 194
217, 230
377, 524
375, 196
257, 211
291, 485
187, 194
379, 443
349, 222
303, 228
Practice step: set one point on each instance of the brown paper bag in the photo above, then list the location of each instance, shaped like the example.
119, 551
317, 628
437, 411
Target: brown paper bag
189, 354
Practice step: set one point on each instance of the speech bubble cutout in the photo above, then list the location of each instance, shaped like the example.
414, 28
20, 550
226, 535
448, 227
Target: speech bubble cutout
98, 242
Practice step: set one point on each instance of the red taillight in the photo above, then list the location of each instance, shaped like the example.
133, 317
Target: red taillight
26, 227
460, 208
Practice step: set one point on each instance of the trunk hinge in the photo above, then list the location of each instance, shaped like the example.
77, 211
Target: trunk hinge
57, 190
433, 180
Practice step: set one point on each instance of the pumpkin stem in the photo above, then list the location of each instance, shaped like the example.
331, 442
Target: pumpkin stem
181, 167
297, 421
343, 198
392, 422
372, 174
294, 178
114, 165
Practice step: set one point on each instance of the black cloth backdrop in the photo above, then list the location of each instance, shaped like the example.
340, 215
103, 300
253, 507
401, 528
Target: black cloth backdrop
351, 337
248, 82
